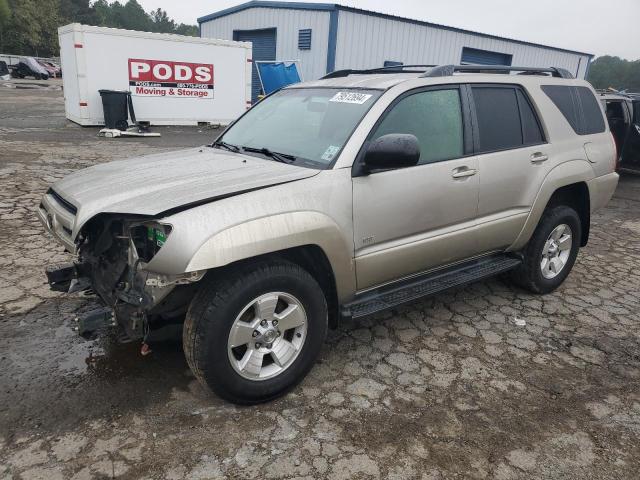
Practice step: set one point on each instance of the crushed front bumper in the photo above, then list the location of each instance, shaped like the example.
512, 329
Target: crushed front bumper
132, 301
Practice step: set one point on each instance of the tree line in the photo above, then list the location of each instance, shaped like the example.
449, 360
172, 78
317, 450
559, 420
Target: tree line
30, 27
615, 72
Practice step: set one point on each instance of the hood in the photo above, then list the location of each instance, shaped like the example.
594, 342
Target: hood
154, 184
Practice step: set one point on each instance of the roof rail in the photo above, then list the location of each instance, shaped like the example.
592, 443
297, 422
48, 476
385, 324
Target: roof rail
613, 91
389, 69
448, 70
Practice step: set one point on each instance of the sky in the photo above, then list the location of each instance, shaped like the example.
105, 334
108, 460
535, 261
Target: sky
600, 27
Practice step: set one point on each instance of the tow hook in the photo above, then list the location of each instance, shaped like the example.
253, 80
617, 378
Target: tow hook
95, 320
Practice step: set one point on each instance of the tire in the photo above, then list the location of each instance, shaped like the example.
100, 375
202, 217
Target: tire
531, 275
215, 310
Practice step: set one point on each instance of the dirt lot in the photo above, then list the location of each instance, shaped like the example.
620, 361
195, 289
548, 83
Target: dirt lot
450, 387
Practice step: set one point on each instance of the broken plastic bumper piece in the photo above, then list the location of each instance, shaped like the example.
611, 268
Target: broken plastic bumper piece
94, 321
60, 276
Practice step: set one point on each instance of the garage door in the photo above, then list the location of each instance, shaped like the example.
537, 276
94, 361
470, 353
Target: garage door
264, 48
476, 56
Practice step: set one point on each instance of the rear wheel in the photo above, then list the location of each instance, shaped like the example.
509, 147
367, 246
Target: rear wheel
550, 254
253, 334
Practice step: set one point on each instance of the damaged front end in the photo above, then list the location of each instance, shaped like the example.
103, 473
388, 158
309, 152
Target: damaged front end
113, 254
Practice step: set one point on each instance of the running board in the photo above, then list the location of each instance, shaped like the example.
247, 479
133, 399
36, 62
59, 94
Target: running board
389, 296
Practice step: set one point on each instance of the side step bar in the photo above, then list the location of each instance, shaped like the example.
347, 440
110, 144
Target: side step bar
390, 296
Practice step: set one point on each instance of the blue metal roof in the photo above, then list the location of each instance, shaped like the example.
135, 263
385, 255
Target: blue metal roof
326, 7
329, 7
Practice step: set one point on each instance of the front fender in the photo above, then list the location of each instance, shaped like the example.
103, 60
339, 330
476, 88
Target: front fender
567, 173
280, 232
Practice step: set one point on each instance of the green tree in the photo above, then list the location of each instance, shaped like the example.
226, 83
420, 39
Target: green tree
23, 32
189, 30
47, 17
102, 14
5, 15
79, 11
615, 72
135, 18
161, 22
30, 27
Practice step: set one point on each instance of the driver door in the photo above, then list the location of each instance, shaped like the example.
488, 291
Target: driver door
410, 220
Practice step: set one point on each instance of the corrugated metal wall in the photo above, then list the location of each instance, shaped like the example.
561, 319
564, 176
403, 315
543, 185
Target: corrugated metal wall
287, 22
365, 41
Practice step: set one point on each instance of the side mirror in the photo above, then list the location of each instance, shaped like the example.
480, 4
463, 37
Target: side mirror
395, 150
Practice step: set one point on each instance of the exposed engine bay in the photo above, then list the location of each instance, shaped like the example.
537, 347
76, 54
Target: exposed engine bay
113, 254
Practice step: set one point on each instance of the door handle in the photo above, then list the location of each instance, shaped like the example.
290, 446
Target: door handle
463, 172
539, 157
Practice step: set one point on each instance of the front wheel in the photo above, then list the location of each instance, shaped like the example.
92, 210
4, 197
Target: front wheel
254, 333
550, 254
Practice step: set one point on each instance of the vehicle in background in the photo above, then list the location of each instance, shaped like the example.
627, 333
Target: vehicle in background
29, 67
336, 198
4, 71
52, 68
623, 114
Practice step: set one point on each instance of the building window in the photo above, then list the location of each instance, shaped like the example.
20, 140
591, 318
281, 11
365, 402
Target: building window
392, 63
475, 56
304, 39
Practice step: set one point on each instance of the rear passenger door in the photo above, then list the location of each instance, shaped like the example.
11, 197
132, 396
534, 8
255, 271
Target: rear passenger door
513, 159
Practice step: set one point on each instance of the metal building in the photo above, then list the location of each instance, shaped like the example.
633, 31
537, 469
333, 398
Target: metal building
327, 37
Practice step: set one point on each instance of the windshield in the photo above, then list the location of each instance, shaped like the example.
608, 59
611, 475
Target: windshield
304, 126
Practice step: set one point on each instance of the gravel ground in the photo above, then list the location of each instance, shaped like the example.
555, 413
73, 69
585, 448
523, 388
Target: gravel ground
485, 381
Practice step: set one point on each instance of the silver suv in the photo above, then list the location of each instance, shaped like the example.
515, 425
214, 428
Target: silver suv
335, 198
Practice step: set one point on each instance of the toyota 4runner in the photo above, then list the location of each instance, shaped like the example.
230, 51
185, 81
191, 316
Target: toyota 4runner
336, 198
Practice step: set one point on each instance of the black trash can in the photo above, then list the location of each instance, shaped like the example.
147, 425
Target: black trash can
114, 104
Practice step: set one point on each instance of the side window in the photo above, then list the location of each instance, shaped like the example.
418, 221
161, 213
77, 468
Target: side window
636, 112
592, 114
531, 130
434, 117
563, 98
579, 106
498, 118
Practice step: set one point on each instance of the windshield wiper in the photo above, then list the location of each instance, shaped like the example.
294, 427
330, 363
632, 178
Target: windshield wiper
278, 157
228, 146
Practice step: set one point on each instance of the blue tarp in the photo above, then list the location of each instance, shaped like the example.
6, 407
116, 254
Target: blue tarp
277, 75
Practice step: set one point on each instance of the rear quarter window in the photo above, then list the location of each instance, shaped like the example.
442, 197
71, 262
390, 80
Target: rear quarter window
591, 111
579, 107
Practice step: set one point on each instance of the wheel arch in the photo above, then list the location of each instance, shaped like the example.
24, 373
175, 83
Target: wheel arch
566, 184
576, 196
310, 239
311, 258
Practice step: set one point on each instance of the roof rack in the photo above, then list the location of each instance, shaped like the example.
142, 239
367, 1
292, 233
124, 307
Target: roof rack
389, 69
448, 70
613, 91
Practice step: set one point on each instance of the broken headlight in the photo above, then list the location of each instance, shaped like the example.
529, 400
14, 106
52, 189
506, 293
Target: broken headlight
149, 238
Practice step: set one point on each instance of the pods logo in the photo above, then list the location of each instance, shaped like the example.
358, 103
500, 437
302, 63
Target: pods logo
160, 78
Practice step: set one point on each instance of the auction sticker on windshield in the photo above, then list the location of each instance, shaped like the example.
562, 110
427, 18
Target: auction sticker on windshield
159, 78
351, 97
